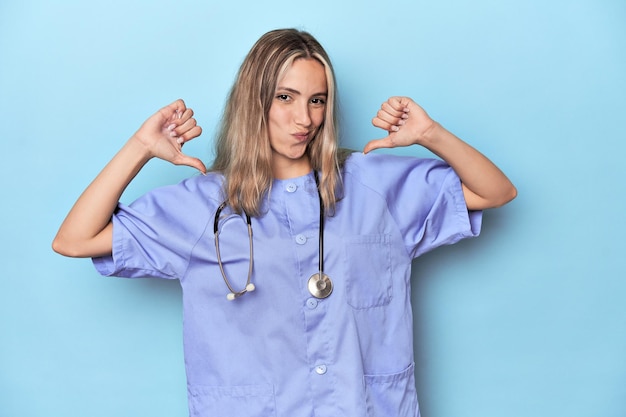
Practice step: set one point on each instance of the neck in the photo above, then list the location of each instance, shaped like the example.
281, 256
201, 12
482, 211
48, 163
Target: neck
283, 170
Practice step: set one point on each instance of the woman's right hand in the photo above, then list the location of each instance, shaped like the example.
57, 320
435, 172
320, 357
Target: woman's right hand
87, 230
165, 132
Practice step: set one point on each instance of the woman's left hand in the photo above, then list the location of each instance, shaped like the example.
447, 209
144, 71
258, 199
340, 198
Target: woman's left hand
484, 185
405, 121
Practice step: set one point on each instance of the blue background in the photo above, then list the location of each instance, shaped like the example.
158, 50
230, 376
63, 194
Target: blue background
528, 319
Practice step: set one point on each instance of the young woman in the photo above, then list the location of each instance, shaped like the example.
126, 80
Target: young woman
294, 256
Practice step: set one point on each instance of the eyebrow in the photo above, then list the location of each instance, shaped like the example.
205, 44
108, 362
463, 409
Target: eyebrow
293, 91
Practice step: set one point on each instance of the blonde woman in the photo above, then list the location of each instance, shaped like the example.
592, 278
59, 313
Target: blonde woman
294, 256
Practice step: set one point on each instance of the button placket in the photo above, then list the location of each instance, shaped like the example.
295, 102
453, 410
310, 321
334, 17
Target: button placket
303, 225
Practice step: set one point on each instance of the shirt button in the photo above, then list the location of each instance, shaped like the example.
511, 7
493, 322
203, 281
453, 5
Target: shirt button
300, 239
320, 369
291, 187
311, 303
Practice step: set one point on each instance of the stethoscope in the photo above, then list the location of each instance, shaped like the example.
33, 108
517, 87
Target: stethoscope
319, 284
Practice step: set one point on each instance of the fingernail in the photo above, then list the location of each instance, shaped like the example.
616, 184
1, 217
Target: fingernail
171, 127
173, 134
395, 128
180, 140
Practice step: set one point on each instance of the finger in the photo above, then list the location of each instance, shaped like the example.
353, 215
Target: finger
400, 103
180, 114
377, 144
187, 136
179, 106
393, 108
389, 126
190, 134
173, 111
397, 109
391, 113
191, 162
185, 126
185, 115
390, 118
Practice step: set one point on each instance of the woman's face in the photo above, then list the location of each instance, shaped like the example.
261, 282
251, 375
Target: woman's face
296, 113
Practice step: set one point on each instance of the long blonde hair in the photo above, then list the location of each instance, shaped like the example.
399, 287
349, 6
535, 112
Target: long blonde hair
243, 152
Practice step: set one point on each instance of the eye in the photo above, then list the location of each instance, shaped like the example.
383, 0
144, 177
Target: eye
283, 97
318, 101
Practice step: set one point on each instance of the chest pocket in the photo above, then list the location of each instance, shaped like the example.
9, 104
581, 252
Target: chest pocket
368, 271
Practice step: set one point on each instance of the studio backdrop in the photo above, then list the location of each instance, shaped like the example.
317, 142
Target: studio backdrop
527, 319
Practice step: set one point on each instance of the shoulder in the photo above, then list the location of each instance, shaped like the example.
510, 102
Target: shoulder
378, 168
198, 190
210, 184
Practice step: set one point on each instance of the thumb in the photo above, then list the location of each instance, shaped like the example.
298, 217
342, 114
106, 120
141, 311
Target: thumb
192, 162
377, 144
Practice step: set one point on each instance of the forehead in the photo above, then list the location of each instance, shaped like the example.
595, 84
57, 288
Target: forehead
304, 74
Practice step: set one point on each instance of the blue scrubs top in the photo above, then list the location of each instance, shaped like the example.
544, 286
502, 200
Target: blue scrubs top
278, 351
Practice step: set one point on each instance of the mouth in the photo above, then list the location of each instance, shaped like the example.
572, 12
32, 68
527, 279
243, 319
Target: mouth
301, 136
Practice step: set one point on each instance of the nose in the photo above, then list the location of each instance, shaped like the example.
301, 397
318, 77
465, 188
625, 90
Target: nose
302, 114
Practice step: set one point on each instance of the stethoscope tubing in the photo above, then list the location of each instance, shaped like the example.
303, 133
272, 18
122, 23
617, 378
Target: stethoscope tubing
233, 293
249, 285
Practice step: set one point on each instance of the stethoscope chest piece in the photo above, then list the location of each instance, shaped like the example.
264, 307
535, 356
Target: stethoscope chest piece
320, 285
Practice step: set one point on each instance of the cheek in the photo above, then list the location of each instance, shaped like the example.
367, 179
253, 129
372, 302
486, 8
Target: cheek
318, 117
277, 116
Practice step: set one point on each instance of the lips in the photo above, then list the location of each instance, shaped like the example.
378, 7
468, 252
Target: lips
301, 136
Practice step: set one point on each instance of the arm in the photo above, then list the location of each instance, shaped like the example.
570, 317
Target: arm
87, 230
484, 185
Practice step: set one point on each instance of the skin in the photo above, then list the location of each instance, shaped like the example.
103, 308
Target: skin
295, 115
484, 185
87, 229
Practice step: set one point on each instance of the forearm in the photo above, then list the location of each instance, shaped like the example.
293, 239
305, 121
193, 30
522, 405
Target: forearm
484, 184
86, 230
